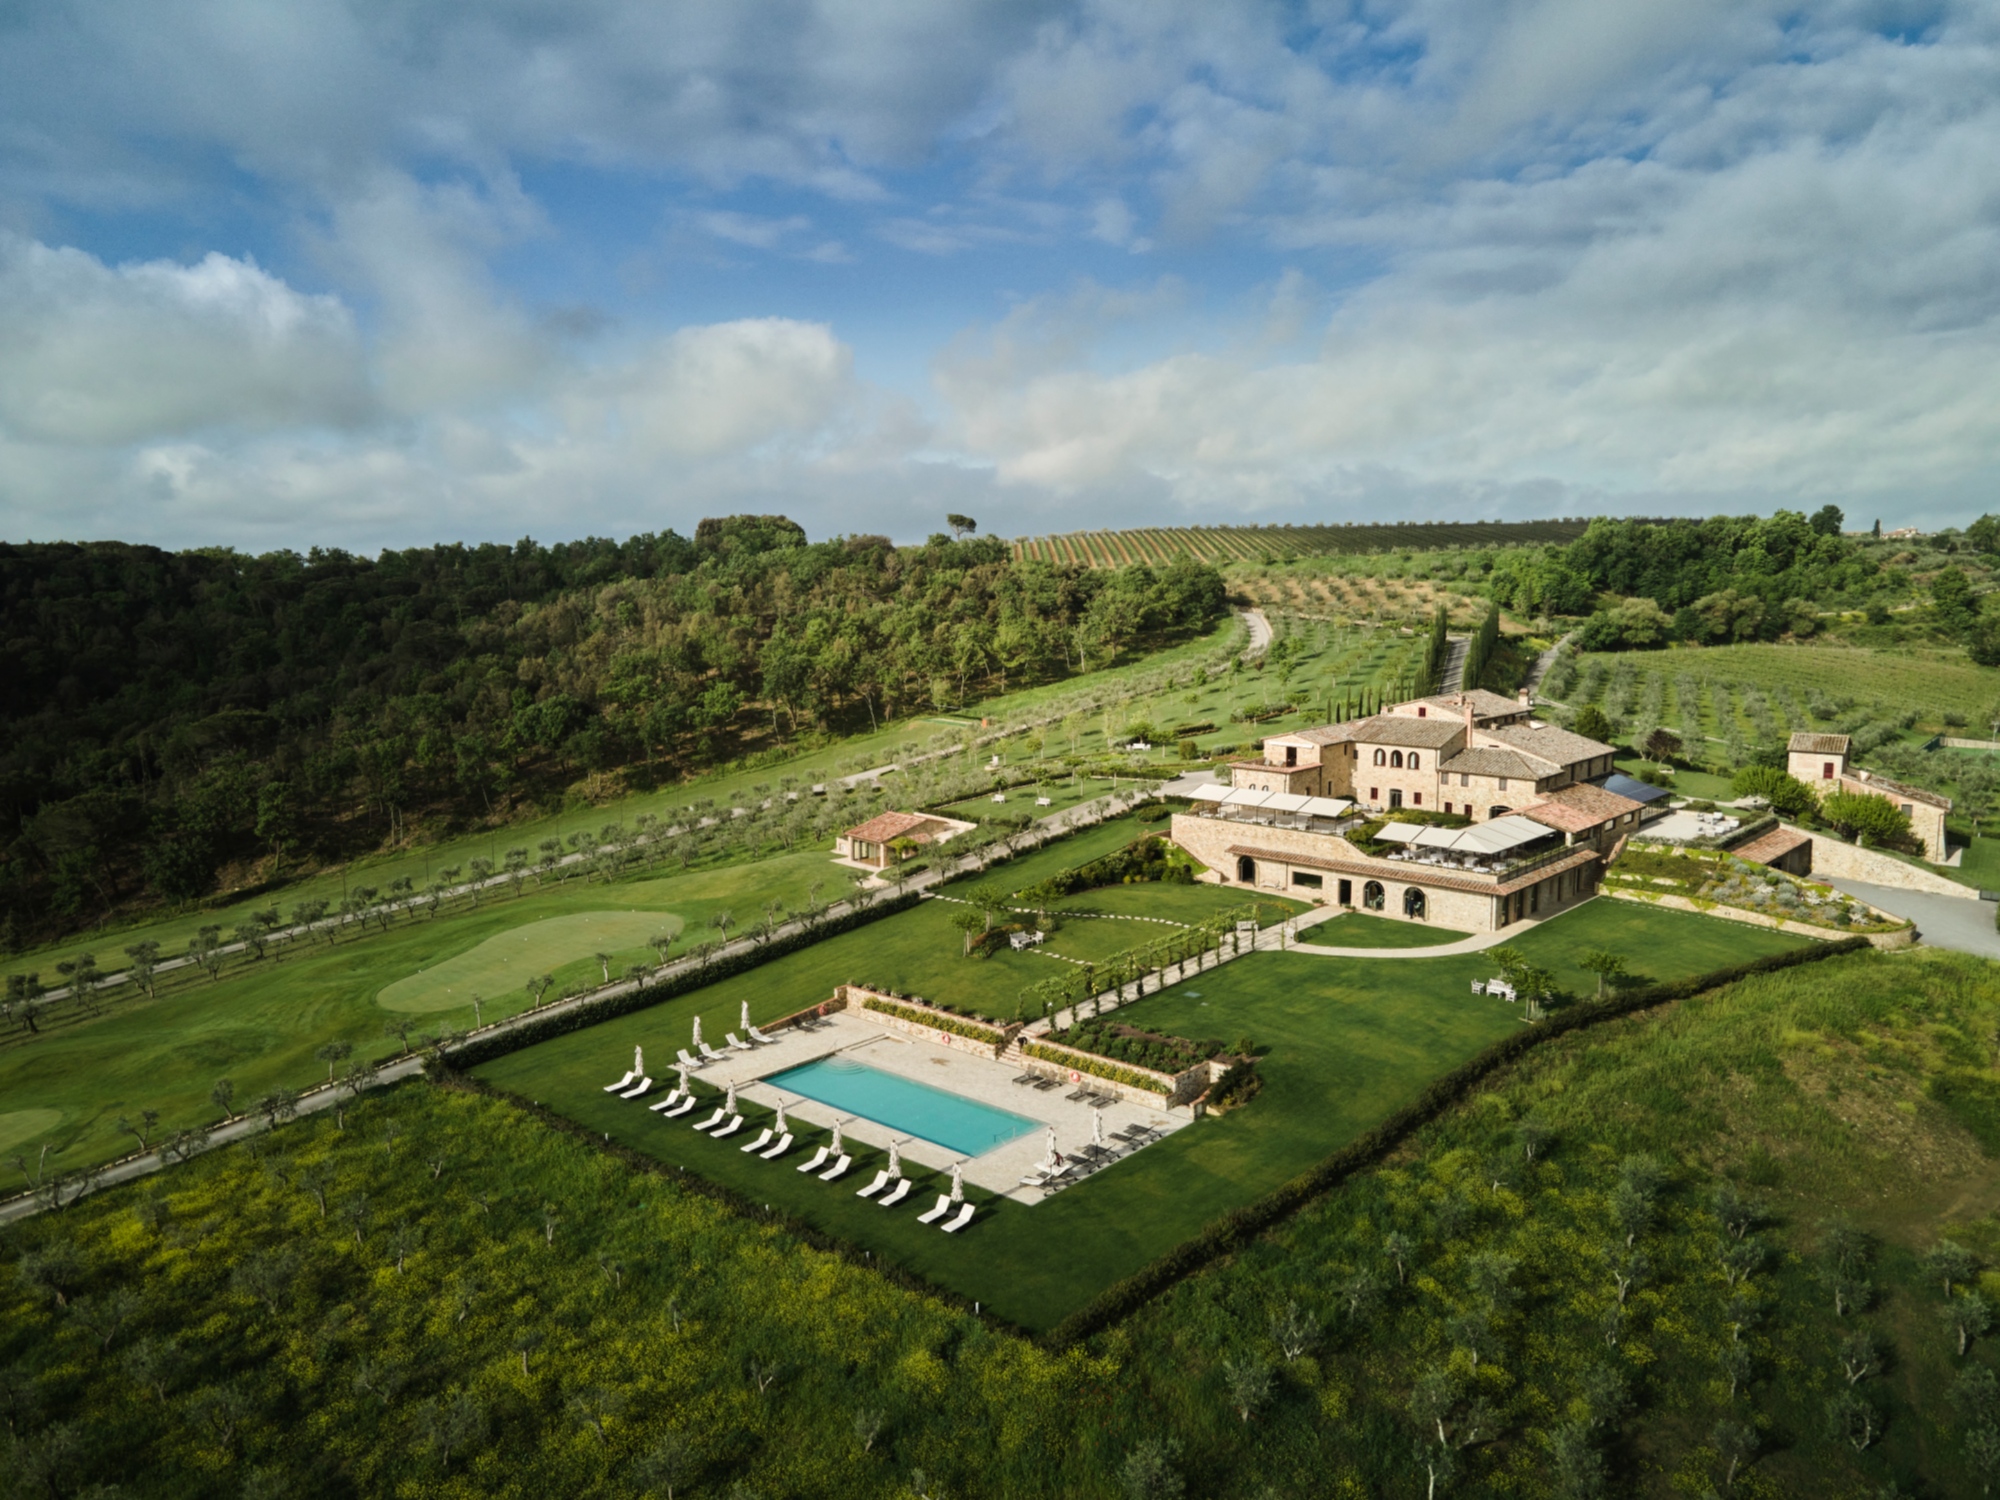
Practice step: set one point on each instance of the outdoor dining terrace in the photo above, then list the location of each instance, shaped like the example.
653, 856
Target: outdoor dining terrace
1507, 846
1275, 809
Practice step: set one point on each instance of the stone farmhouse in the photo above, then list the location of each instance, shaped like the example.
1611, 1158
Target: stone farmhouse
1307, 819
877, 844
1820, 761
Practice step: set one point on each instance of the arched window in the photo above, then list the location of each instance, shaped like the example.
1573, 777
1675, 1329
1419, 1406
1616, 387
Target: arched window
1381, 759
1372, 896
1413, 903
1246, 869
1396, 758
1414, 766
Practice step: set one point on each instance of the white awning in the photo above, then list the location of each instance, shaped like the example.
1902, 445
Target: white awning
1209, 793
1245, 796
1398, 833
1326, 807
1496, 837
1286, 802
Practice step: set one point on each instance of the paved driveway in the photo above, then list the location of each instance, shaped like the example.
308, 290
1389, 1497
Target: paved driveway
1942, 921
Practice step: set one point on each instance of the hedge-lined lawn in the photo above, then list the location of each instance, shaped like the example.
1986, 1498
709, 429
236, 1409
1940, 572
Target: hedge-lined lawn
1063, 792
261, 1025
1359, 930
1345, 1041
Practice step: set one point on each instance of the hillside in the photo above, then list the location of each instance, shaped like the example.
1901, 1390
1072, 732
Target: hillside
1220, 545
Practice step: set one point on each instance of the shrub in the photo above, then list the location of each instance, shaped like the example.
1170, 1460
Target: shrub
1789, 797
1096, 1066
951, 1023
1867, 817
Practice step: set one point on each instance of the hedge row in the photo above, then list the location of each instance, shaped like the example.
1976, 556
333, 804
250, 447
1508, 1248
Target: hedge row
590, 1012
987, 1034
1097, 1066
1240, 1225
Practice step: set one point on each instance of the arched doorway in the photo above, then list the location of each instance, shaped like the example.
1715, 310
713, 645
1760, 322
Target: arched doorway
1246, 869
1413, 903
1372, 896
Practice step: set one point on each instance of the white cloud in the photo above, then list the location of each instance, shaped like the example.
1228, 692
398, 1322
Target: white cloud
114, 354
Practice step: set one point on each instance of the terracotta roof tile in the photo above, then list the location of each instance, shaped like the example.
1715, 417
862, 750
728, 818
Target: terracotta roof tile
1771, 846
1805, 742
883, 827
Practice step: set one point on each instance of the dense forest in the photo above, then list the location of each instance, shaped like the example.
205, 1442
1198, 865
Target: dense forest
167, 714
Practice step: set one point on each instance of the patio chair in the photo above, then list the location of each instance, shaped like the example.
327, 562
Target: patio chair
817, 1160
623, 1083
736, 1123
713, 1120
711, 1054
763, 1139
668, 1102
1076, 1097
690, 1062
964, 1218
759, 1037
1027, 1078
896, 1194
777, 1148
875, 1184
838, 1169
943, 1208
1102, 1101
686, 1104
1045, 1084
637, 1089
737, 1044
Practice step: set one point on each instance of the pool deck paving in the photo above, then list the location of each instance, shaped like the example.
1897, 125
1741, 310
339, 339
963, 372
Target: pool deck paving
970, 1072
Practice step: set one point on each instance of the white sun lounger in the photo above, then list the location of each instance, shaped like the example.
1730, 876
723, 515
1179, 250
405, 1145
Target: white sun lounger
964, 1218
736, 1123
713, 1120
623, 1083
679, 1109
758, 1036
687, 1061
711, 1054
943, 1208
736, 1043
880, 1181
668, 1102
896, 1194
838, 1169
817, 1160
778, 1148
763, 1139
637, 1089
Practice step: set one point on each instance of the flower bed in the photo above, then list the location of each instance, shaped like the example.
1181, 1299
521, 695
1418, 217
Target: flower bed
1714, 878
1100, 1067
1146, 1049
937, 1020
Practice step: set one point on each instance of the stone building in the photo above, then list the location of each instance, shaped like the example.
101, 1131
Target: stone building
1820, 761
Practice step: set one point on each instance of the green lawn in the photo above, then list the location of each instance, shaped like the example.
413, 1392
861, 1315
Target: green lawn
1345, 1041
1063, 792
261, 1024
1359, 930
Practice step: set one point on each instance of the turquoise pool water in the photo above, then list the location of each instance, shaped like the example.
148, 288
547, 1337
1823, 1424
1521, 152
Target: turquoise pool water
936, 1115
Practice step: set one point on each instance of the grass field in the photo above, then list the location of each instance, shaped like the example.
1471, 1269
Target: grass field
260, 1026
1356, 929
1345, 1041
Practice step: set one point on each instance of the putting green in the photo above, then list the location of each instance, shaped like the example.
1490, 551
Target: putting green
26, 1124
508, 960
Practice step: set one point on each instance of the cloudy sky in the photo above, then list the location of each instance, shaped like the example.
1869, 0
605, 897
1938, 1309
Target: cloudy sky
380, 272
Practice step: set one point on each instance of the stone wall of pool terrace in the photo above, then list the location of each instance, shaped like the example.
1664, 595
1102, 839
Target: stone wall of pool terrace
946, 1030
1074, 1066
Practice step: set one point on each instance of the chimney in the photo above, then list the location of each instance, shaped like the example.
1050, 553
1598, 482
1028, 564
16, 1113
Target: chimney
1522, 697
1468, 719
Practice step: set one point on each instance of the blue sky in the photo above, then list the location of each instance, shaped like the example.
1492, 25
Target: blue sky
390, 272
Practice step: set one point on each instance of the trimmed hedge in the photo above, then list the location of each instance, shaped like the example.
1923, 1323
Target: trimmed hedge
1100, 1067
992, 1036
1240, 1225
484, 1049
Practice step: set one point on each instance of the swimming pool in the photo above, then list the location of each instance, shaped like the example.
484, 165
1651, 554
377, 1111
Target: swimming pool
932, 1114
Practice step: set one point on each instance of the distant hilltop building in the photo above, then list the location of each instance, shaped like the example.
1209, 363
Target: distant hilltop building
1542, 824
1820, 761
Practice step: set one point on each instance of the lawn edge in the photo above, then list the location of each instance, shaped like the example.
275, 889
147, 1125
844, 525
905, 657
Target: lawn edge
1240, 1225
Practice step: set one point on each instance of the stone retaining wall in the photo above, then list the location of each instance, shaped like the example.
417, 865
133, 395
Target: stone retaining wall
1175, 1088
1830, 856
853, 995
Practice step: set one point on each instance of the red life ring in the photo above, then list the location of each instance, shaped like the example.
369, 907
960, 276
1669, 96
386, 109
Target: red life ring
1075, 1077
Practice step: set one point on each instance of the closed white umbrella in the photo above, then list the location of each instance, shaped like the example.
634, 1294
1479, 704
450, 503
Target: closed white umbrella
746, 1015
681, 1070
639, 1061
895, 1159
697, 1033
1049, 1160
781, 1126
729, 1104
958, 1182
1097, 1127
836, 1137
